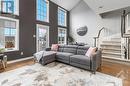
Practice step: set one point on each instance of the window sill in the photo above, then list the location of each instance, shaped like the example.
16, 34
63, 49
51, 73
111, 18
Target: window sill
42, 21
6, 51
62, 26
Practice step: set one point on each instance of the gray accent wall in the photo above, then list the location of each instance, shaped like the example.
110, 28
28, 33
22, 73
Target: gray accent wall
27, 28
82, 15
53, 31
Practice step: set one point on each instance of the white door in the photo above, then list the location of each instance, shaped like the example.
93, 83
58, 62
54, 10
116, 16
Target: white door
42, 37
62, 36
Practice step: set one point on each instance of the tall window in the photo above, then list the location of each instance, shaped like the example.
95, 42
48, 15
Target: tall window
9, 34
62, 17
43, 10
62, 36
9, 6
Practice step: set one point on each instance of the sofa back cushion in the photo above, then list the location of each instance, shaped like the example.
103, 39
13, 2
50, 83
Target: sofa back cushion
82, 50
70, 49
60, 48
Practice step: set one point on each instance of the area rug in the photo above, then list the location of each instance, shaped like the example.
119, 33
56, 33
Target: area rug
56, 74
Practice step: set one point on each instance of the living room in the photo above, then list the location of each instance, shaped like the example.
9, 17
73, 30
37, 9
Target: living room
64, 43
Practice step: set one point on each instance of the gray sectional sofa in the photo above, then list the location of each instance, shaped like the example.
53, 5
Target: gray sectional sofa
75, 56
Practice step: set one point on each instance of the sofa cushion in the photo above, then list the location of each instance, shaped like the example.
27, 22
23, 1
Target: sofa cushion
81, 59
70, 49
63, 55
82, 50
61, 47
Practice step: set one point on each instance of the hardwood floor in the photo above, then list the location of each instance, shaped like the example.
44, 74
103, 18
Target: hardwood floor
117, 70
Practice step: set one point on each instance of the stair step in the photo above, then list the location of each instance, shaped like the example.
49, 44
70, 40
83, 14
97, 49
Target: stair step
126, 35
112, 53
115, 39
128, 31
109, 44
111, 41
115, 47
112, 49
111, 56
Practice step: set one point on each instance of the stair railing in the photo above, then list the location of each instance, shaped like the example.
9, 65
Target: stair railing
97, 38
123, 33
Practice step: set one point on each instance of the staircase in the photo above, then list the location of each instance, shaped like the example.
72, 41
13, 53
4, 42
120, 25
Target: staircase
127, 34
112, 49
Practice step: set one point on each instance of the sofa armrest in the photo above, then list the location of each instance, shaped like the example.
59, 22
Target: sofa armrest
48, 49
96, 60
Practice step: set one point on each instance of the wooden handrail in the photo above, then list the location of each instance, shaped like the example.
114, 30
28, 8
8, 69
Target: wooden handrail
100, 32
95, 38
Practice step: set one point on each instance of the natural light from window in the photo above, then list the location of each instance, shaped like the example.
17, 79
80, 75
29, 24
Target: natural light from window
62, 17
9, 6
43, 10
9, 34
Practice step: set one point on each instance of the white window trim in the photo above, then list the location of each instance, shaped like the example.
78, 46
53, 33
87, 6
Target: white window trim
43, 26
65, 35
17, 33
48, 11
59, 8
17, 7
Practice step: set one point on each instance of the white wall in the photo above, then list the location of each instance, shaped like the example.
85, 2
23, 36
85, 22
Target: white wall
82, 15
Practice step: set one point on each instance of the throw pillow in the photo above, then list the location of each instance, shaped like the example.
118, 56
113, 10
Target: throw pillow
91, 51
54, 47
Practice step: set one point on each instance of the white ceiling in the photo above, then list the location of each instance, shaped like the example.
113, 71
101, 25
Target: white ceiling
67, 4
107, 5
99, 6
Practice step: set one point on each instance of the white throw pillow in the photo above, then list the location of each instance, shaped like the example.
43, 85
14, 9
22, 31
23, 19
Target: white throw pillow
91, 51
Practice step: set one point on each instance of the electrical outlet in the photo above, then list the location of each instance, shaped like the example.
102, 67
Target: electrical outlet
21, 53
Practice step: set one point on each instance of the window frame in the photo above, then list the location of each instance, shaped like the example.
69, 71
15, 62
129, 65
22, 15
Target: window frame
47, 18
16, 7
17, 34
65, 16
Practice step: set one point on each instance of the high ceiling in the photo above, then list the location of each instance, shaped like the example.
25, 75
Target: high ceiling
102, 6
67, 4
99, 6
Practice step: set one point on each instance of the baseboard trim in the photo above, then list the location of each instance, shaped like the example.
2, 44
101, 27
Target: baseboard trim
19, 60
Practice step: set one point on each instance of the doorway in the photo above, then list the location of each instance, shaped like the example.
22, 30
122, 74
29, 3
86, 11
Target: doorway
42, 37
